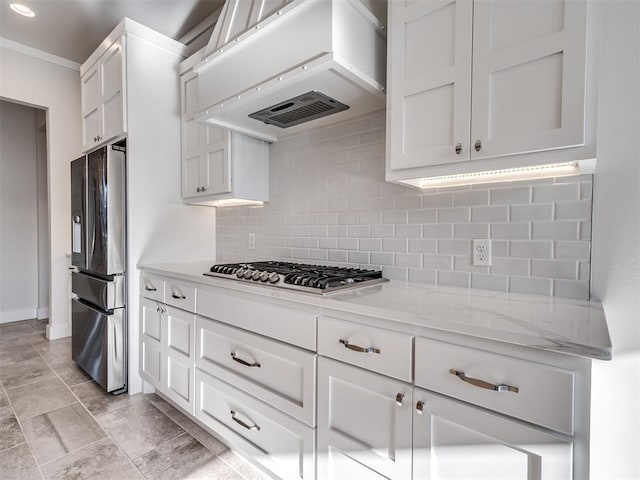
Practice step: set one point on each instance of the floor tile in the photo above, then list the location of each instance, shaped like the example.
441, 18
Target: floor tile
10, 432
100, 460
139, 427
17, 463
15, 354
61, 431
4, 401
180, 458
69, 372
36, 398
99, 402
208, 440
241, 466
27, 371
55, 350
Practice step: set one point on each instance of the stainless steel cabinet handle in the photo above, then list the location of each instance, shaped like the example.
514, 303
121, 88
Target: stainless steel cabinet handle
243, 362
356, 348
420, 407
150, 289
458, 148
482, 384
198, 189
203, 189
243, 424
478, 145
178, 297
399, 399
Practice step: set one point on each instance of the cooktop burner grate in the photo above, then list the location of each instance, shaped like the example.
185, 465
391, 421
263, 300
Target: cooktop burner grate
298, 276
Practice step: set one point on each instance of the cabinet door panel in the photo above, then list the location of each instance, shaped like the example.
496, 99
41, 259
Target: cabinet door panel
456, 440
190, 175
179, 383
528, 76
179, 342
180, 332
90, 93
215, 173
429, 73
112, 94
151, 342
359, 417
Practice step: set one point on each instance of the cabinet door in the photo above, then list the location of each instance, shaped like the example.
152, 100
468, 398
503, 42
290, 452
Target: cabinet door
364, 423
90, 96
455, 440
429, 82
151, 339
215, 173
179, 344
528, 76
112, 100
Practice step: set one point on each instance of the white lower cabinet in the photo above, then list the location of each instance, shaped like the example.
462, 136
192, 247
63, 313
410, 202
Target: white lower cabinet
283, 445
454, 440
364, 424
167, 345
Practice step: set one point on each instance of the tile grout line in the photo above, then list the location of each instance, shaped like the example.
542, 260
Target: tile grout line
107, 435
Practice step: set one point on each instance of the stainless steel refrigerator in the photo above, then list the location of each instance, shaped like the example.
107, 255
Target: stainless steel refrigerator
98, 236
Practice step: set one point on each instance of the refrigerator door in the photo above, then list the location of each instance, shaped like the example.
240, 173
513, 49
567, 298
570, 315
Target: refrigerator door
78, 212
97, 344
106, 211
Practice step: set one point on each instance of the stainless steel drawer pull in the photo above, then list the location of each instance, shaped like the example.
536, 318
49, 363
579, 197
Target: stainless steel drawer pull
482, 384
458, 148
420, 407
178, 297
399, 399
243, 362
150, 289
356, 348
243, 424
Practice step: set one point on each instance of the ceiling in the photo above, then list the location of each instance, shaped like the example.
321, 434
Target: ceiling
73, 29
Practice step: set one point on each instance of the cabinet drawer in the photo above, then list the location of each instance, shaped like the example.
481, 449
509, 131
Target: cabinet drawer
152, 286
180, 294
544, 393
286, 446
375, 349
279, 374
292, 325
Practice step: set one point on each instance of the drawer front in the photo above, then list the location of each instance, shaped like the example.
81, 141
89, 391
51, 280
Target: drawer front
152, 286
544, 393
296, 326
180, 294
372, 348
287, 446
279, 374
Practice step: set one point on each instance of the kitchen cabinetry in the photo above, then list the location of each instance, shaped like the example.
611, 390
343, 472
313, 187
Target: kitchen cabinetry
364, 424
473, 81
219, 165
103, 96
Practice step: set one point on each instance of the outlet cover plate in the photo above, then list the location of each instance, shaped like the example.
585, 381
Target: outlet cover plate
481, 252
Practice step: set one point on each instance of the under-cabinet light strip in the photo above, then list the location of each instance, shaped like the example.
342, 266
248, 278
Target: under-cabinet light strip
234, 202
511, 174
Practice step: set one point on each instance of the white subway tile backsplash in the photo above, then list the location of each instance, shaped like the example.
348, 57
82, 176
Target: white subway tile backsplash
330, 203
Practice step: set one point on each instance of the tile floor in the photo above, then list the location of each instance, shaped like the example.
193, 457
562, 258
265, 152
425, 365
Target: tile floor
56, 423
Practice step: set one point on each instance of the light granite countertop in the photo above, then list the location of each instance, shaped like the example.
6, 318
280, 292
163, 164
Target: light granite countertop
574, 327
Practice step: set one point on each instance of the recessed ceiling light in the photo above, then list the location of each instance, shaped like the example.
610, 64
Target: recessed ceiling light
22, 10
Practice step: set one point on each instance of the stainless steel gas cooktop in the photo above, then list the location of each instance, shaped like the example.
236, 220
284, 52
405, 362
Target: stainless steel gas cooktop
297, 276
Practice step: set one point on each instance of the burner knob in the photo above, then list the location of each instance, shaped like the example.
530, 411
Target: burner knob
256, 275
264, 276
274, 277
240, 273
247, 273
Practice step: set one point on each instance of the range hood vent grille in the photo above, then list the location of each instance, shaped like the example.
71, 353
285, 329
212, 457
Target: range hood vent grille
303, 108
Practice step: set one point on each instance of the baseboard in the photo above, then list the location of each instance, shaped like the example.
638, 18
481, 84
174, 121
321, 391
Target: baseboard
43, 312
17, 315
58, 331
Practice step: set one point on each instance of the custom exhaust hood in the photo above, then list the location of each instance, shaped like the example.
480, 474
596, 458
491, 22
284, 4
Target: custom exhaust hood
273, 68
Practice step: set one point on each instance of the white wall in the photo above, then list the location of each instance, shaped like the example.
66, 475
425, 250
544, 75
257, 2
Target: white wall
55, 88
615, 425
18, 213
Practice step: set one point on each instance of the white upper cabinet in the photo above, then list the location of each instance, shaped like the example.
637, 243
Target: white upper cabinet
482, 79
103, 98
218, 164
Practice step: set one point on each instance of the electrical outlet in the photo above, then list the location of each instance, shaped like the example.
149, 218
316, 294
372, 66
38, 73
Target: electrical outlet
481, 252
252, 241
